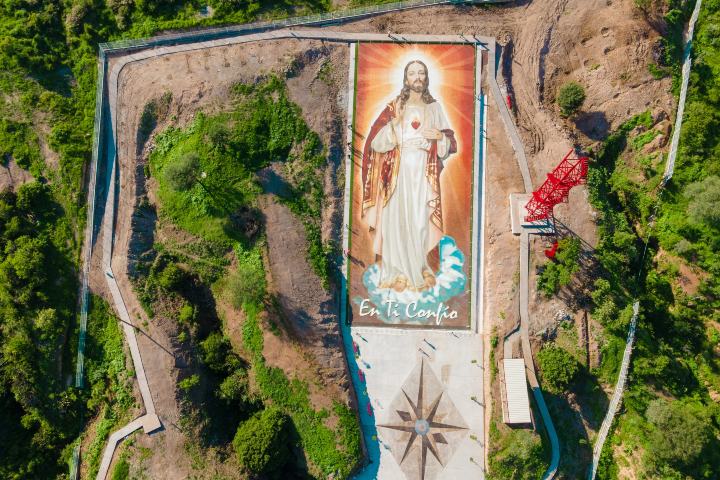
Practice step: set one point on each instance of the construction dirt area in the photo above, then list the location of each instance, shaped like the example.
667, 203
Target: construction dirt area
606, 45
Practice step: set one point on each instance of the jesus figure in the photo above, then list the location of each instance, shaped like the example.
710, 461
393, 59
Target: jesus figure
401, 202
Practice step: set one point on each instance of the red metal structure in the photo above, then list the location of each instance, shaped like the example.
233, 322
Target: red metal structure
550, 253
570, 172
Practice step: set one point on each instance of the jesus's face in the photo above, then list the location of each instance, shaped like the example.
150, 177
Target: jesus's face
416, 77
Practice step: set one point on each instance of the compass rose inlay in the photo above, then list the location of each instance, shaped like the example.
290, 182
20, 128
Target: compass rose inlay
423, 433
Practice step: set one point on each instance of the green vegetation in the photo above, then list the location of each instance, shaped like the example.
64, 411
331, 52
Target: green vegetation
110, 382
331, 451
518, 455
558, 273
37, 292
558, 368
47, 98
570, 98
675, 357
261, 442
207, 174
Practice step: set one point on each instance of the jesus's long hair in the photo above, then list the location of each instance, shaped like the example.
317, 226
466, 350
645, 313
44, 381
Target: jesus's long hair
405, 92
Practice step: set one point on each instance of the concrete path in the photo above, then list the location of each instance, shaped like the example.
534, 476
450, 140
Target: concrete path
150, 421
527, 355
147, 422
525, 275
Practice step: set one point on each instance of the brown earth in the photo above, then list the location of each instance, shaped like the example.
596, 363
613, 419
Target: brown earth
551, 41
12, 176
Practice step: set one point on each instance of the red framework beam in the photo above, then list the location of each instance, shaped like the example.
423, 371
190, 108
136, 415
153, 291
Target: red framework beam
570, 172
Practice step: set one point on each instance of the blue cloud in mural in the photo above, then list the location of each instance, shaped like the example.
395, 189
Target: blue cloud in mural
423, 307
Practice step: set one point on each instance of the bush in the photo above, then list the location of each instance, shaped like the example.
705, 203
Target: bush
235, 387
558, 368
187, 384
261, 442
187, 314
520, 457
172, 277
558, 273
215, 349
570, 98
247, 284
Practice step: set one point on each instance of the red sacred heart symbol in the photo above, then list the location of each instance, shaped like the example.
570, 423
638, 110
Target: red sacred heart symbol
415, 124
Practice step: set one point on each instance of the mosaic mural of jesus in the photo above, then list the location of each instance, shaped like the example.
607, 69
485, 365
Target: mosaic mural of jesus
412, 184
402, 202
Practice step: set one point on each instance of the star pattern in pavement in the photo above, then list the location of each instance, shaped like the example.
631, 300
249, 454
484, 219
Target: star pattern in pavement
421, 423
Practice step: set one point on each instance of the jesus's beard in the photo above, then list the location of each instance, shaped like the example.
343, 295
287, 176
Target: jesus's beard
417, 86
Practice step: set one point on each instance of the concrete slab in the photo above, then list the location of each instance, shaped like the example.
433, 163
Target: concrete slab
448, 364
518, 212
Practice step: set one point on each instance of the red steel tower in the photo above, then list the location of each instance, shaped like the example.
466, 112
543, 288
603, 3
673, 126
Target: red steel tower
570, 172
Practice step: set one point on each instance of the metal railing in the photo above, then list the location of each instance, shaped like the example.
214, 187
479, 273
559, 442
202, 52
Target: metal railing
617, 394
314, 19
90, 219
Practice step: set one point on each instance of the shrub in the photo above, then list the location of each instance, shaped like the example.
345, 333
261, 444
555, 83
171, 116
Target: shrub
558, 273
172, 277
520, 457
261, 442
235, 387
570, 98
187, 313
187, 384
247, 284
558, 368
215, 349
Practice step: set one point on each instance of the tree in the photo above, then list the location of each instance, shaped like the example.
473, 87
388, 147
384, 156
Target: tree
679, 436
215, 349
558, 368
182, 173
704, 197
570, 98
261, 442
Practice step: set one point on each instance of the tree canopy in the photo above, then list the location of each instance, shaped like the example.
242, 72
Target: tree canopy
571, 96
261, 442
558, 368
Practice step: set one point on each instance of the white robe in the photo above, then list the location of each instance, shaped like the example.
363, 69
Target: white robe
403, 234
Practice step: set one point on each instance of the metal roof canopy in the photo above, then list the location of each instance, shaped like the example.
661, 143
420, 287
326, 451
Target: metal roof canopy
517, 402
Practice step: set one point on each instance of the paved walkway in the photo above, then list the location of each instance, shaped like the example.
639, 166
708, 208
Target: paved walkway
525, 274
150, 421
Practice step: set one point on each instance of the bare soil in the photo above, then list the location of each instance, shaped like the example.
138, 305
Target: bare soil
12, 176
